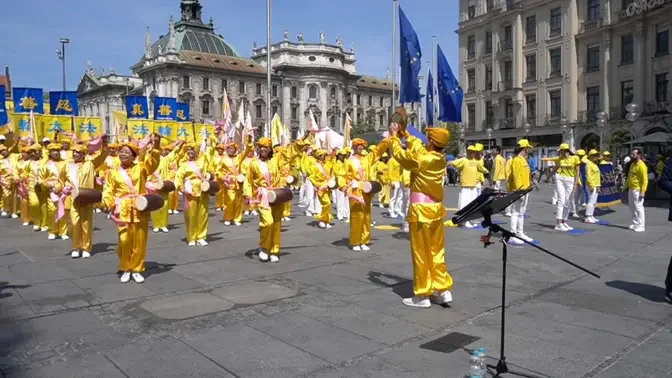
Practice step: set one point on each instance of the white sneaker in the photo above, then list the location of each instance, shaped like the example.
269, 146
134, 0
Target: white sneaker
65, 237
525, 237
365, 247
125, 277
590, 220
14, 216
36, 228
85, 254
218, 209
322, 225
138, 278
442, 298
575, 215
286, 219
4, 214
176, 211
516, 241
639, 229
44, 229
255, 213
164, 229
263, 256
227, 223
632, 226
98, 210
274, 258
391, 215
308, 213
170, 211
406, 228
357, 248
202, 242
51, 237
422, 302
26, 224
192, 244
156, 229
246, 213
74, 254
468, 225
237, 223
568, 227
560, 227
507, 214
328, 226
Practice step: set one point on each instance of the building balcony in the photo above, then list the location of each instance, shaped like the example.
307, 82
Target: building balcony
488, 124
531, 79
530, 39
531, 120
502, 6
555, 32
554, 74
653, 108
507, 123
553, 118
471, 55
505, 45
588, 116
505, 85
592, 25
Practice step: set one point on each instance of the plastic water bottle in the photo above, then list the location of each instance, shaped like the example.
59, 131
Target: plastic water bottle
475, 370
484, 362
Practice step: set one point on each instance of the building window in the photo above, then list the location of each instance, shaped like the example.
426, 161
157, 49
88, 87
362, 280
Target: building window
508, 33
185, 82
294, 92
381, 119
556, 61
275, 110
241, 87
257, 89
471, 114
257, 111
556, 103
206, 84
661, 87
370, 101
274, 91
593, 10
592, 100
471, 80
593, 59
471, 12
332, 92
508, 70
295, 113
531, 29
358, 100
382, 101
488, 78
508, 108
627, 49
489, 5
531, 66
332, 122
555, 22
471, 47
489, 113
627, 94
225, 84
662, 41
488, 42
205, 107
531, 106
312, 92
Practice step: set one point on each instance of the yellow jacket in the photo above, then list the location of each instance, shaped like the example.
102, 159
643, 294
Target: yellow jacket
638, 177
266, 174
519, 178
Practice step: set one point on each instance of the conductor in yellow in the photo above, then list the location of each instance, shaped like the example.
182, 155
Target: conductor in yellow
431, 281
123, 186
227, 172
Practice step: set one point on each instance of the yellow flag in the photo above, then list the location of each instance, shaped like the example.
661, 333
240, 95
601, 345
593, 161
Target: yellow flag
87, 128
203, 130
185, 132
51, 124
138, 129
277, 130
22, 127
167, 130
120, 131
346, 136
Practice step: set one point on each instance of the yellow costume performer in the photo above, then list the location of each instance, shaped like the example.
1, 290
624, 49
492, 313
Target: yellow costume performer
30, 175
221, 154
22, 185
227, 171
123, 186
245, 167
52, 179
81, 173
319, 176
9, 177
382, 173
169, 154
264, 174
188, 180
425, 216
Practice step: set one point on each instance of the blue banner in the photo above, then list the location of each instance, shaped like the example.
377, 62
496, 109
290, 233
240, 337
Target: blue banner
136, 107
63, 103
416, 133
4, 119
28, 100
165, 108
430, 99
410, 61
608, 194
183, 113
450, 92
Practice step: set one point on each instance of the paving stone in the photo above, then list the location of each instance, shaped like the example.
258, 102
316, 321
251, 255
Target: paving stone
185, 306
254, 292
331, 282
55, 296
86, 366
207, 274
108, 288
168, 282
248, 352
41, 271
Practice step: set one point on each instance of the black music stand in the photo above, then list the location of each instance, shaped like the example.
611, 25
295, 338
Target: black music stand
491, 202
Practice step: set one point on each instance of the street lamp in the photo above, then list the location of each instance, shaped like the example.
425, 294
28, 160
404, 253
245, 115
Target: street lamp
488, 131
601, 121
461, 128
526, 128
567, 130
634, 112
61, 55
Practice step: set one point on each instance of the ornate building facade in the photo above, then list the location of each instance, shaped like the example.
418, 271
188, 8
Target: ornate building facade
195, 65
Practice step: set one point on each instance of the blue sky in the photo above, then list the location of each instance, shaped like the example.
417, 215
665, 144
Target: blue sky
113, 32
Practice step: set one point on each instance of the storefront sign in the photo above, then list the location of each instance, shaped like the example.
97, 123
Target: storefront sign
640, 6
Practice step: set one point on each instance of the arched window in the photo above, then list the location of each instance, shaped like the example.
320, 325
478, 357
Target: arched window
333, 91
312, 92
332, 122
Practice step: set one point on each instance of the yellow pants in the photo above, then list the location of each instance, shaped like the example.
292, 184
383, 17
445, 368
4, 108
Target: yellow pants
59, 227
100, 188
325, 201
81, 219
132, 247
429, 258
43, 199
196, 217
25, 212
9, 203
160, 217
34, 208
172, 201
360, 221
270, 221
287, 211
220, 202
232, 204
384, 195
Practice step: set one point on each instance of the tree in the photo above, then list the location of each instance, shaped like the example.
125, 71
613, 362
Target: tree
360, 128
454, 143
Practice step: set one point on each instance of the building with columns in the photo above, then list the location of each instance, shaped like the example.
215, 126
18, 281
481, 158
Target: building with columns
545, 68
194, 64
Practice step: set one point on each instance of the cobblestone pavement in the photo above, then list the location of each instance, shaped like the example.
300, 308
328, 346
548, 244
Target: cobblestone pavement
326, 311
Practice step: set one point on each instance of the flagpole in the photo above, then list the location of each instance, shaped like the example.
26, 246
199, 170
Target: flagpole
268, 69
435, 84
395, 4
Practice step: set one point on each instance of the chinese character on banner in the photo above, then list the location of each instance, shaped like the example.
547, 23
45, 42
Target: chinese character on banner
137, 110
167, 130
63, 103
184, 131
53, 124
28, 100
203, 130
88, 128
21, 125
164, 108
139, 129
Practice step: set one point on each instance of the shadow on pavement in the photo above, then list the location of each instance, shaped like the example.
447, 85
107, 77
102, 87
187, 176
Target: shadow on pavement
649, 292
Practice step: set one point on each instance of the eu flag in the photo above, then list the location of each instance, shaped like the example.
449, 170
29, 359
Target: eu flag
165, 108
136, 107
63, 103
182, 114
28, 100
430, 99
409, 60
4, 119
450, 92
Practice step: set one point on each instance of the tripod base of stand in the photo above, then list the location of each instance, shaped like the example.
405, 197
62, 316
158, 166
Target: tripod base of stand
502, 368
